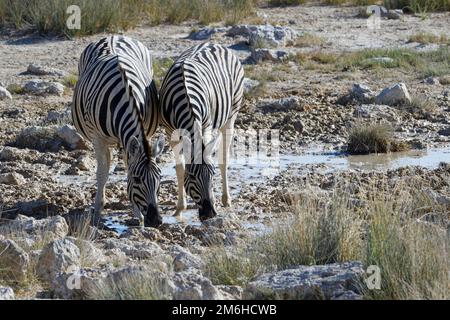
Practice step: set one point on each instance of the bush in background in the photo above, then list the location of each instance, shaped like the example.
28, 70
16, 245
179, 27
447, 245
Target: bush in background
50, 16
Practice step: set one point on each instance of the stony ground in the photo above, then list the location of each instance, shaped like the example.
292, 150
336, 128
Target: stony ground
46, 170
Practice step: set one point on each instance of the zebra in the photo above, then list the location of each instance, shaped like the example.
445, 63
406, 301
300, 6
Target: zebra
201, 94
115, 102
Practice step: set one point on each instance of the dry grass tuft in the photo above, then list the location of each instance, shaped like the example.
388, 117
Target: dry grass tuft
382, 230
373, 138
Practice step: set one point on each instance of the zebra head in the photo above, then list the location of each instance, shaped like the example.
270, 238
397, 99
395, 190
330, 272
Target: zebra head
144, 177
198, 181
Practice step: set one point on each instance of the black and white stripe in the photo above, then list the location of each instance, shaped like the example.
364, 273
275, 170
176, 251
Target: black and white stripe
202, 92
115, 103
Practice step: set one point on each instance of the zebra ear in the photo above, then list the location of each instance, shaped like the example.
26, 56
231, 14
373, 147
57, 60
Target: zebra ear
211, 148
134, 148
158, 147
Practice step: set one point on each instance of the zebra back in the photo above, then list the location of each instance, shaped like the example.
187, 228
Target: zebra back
115, 76
204, 87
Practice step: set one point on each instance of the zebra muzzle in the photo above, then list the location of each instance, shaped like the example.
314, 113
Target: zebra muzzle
152, 218
206, 210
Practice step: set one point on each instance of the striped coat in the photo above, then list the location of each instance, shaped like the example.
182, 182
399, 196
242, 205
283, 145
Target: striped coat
202, 92
115, 103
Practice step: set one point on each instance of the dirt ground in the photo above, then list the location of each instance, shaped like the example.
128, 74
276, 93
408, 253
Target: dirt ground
63, 181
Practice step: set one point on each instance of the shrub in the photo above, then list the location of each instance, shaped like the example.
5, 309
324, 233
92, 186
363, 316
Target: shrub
50, 16
374, 138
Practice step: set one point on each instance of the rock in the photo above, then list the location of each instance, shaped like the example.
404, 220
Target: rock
186, 260
58, 257
202, 34
5, 94
375, 111
260, 55
78, 283
58, 116
298, 126
135, 249
375, 9
40, 87
249, 85
432, 81
444, 132
38, 208
222, 222
205, 33
331, 281
275, 36
284, 104
437, 197
235, 292
50, 138
39, 70
85, 163
55, 227
90, 255
71, 137
52, 228
194, 286
394, 95
6, 293
12, 154
38, 138
14, 261
362, 93
12, 178
394, 14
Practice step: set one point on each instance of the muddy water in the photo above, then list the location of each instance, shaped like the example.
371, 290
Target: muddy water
256, 170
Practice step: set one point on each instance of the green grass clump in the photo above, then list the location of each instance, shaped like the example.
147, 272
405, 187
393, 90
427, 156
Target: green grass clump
160, 68
373, 138
70, 80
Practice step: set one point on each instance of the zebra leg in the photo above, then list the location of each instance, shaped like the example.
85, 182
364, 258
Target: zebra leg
137, 213
179, 167
227, 138
103, 155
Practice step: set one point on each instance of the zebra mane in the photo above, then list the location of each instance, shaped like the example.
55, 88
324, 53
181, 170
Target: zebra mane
133, 96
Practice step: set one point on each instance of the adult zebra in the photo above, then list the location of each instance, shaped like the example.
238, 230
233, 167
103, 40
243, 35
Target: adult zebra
201, 92
115, 103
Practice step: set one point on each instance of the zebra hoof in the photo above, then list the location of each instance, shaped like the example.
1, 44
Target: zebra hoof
153, 221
